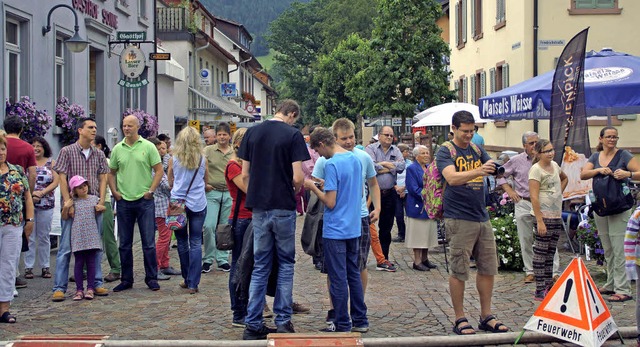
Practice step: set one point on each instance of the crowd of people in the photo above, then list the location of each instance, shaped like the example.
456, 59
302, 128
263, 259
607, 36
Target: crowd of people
258, 180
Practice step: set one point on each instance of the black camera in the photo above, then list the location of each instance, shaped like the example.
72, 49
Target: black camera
499, 169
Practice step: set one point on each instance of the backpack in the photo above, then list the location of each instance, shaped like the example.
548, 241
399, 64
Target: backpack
433, 184
610, 197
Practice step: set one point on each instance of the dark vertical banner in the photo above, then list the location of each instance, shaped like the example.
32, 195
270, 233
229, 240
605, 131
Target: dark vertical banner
568, 129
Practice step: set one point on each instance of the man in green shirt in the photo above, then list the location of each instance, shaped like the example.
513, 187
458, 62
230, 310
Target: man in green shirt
218, 198
132, 186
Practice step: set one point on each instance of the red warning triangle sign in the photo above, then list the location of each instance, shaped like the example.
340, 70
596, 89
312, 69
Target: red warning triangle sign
574, 310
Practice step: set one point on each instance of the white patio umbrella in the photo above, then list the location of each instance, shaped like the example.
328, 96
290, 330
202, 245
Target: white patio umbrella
441, 114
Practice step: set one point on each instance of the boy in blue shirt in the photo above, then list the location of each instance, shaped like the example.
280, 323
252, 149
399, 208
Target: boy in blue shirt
341, 228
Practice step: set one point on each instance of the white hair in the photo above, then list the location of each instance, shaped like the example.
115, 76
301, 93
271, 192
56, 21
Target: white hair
416, 150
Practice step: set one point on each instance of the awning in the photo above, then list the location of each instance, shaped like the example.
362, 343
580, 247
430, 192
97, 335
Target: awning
201, 103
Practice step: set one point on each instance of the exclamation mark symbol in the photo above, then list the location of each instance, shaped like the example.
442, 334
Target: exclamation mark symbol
593, 297
567, 291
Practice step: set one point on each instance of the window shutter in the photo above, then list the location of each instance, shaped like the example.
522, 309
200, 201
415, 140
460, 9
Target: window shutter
457, 23
473, 18
505, 75
456, 86
465, 90
492, 80
464, 21
473, 89
605, 4
483, 84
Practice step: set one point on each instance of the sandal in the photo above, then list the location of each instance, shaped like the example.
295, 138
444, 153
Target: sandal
28, 273
79, 295
484, 325
619, 298
604, 291
89, 295
46, 273
7, 318
460, 330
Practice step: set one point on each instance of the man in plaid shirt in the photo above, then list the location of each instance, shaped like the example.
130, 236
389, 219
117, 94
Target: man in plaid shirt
82, 159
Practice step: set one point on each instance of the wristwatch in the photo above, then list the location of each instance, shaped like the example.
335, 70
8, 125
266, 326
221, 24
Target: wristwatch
28, 220
150, 192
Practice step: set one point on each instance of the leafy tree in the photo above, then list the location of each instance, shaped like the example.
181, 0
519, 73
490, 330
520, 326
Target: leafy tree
334, 71
408, 61
304, 32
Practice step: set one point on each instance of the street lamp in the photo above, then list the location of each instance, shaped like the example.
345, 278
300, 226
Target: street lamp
76, 43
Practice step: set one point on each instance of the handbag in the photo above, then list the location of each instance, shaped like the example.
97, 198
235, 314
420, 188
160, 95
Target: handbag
224, 232
611, 198
177, 213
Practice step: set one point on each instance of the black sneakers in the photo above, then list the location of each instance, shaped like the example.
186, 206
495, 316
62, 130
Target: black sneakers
260, 334
206, 268
286, 328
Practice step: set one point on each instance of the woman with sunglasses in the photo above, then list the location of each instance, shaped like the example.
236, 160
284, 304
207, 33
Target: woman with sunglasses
611, 229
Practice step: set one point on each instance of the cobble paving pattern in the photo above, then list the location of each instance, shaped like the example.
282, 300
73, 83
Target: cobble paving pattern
405, 303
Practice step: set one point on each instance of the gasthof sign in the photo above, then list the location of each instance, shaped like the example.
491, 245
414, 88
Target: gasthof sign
132, 61
131, 35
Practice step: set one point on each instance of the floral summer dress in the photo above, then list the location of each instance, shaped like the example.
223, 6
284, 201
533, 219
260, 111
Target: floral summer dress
84, 230
12, 187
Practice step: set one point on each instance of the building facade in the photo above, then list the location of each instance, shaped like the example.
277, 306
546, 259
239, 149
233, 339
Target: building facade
41, 66
498, 43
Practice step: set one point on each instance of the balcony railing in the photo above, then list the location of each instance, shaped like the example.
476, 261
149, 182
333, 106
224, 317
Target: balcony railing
172, 19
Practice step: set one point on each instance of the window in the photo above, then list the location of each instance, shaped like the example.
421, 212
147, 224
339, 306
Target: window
62, 70
501, 14
478, 86
594, 7
461, 23
142, 9
498, 77
12, 55
476, 19
461, 85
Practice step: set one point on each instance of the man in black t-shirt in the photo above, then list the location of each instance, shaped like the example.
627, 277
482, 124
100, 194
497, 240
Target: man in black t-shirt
272, 155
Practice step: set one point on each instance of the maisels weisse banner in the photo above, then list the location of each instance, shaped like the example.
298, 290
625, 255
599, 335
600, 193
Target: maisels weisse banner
495, 108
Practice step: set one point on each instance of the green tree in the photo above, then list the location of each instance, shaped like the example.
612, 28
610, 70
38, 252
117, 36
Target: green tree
408, 62
304, 32
334, 71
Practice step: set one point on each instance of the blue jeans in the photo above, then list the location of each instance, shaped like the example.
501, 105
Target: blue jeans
341, 262
238, 306
190, 248
142, 211
61, 277
274, 234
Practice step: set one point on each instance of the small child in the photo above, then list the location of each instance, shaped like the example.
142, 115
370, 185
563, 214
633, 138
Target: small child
85, 238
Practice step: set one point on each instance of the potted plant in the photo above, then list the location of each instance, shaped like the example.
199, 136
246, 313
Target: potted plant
148, 123
36, 122
67, 116
501, 214
587, 234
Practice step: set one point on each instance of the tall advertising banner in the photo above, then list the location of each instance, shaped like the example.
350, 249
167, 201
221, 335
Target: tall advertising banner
568, 129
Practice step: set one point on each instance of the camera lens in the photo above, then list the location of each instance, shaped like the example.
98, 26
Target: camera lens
499, 170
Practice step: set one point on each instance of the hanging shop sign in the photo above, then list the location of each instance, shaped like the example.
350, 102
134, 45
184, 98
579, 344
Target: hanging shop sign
132, 65
132, 61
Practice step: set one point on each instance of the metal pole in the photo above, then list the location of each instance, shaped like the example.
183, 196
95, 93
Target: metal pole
155, 62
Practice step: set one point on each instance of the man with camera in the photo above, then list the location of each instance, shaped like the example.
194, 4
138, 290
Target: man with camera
518, 169
467, 224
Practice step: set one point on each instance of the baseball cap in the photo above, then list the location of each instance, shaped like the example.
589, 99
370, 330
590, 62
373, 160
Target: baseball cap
76, 181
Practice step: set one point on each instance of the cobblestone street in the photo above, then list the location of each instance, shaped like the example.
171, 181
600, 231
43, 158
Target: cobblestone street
405, 303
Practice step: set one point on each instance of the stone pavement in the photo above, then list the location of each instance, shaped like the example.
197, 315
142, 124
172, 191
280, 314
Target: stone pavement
405, 303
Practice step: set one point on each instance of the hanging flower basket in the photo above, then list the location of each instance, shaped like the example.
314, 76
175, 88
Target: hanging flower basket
148, 123
36, 122
67, 116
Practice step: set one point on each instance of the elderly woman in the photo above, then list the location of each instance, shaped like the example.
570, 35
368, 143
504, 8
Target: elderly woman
422, 232
187, 175
14, 198
44, 201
